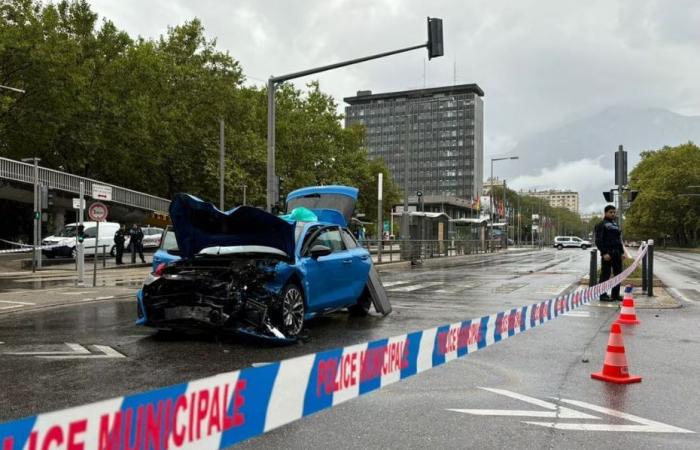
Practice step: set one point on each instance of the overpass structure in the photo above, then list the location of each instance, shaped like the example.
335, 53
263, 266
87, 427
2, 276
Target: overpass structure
24, 173
17, 179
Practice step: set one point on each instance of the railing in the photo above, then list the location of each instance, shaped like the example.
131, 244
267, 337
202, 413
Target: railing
54, 179
399, 250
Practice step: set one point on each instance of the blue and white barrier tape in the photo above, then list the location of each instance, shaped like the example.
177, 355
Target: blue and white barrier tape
219, 411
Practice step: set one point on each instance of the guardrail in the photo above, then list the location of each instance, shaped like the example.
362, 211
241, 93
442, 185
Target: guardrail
54, 179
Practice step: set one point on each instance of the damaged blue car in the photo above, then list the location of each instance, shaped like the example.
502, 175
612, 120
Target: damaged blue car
250, 271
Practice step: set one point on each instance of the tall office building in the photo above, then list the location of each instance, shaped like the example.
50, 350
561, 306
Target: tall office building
440, 131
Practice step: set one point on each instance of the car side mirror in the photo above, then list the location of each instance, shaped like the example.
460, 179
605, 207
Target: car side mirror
320, 250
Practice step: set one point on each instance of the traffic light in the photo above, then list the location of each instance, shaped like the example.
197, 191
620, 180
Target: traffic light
50, 199
435, 47
632, 196
609, 196
621, 167
81, 233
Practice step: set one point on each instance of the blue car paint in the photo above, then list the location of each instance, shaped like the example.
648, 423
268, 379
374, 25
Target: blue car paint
328, 293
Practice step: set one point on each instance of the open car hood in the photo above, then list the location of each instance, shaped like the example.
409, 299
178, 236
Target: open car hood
199, 225
334, 204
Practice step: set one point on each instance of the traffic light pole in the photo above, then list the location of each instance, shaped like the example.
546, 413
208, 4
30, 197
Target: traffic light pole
435, 48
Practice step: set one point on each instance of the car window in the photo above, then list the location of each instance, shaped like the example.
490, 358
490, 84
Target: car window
349, 240
331, 239
169, 242
90, 232
576, 239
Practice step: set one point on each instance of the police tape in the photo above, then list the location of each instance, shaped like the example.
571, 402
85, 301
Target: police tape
222, 410
24, 248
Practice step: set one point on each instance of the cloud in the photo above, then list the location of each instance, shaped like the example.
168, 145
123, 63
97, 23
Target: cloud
586, 176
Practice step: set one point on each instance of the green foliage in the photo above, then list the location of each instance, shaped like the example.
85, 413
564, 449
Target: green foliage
145, 113
661, 209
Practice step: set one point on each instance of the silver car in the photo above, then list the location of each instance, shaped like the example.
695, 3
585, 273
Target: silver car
561, 242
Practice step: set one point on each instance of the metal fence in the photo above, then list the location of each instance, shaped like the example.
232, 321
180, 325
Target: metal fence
397, 250
54, 179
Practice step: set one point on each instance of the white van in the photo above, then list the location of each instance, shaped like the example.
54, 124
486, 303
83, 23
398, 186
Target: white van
66, 240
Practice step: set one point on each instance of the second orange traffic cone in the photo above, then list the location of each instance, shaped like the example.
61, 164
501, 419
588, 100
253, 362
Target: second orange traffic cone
615, 364
627, 314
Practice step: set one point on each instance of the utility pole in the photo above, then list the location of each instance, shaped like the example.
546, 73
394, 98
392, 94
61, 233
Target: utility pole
80, 254
621, 181
36, 213
380, 223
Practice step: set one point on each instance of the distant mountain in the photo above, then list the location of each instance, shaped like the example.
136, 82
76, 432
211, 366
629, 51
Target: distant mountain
598, 136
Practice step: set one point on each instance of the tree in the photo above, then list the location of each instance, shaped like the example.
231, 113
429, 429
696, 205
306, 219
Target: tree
661, 209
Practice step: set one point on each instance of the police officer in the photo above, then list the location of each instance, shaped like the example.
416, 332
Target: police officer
119, 238
608, 239
136, 236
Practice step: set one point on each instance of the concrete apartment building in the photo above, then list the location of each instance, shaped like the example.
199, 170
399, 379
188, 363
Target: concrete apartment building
561, 199
440, 130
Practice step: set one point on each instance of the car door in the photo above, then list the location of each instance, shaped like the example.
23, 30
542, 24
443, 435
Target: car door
361, 265
576, 242
326, 276
90, 241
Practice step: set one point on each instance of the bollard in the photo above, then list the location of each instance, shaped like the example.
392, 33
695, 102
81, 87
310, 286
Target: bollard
593, 272
644, 273
650, 269
104, 256
133, 252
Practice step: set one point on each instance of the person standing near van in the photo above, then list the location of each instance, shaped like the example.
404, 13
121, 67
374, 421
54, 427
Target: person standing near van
119, 238
136, 236
608, 239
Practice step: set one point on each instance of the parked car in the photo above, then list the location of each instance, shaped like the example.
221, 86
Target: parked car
249, 271
561, 242
65, 241
151, 239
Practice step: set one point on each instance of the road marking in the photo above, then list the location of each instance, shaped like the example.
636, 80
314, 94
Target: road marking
76, 351
642, 425
13, 305
646, 425
683, 297
77, 292
555, 411
387, 284
415, 287
578, 314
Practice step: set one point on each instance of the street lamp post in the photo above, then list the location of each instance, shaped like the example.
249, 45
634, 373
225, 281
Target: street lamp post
36, 214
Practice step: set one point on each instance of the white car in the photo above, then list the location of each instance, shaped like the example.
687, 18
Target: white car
561, 242
151, 239
64, 242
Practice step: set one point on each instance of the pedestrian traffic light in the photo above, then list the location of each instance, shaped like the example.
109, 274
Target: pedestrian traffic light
50, 198
43, 196
435, 47
37, 215
81, 233
632, 195
609, 196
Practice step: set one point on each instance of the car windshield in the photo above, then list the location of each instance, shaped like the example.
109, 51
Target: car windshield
68, 231
169, 241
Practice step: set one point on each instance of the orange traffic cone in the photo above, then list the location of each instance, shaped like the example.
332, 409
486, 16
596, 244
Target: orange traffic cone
615, 364
627, 314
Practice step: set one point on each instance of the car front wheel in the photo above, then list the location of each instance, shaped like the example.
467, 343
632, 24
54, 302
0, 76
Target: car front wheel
584, 246
292, 310
559, 247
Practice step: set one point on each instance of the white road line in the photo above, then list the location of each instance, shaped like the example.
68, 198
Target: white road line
578, 314
75, 349
415, 287
679, 294
554, 411
108, 352
387, 284
646, 425
17, 303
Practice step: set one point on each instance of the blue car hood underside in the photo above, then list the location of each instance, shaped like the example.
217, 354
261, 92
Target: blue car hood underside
199, 225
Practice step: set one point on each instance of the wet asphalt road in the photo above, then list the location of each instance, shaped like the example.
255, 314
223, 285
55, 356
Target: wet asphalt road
541, 363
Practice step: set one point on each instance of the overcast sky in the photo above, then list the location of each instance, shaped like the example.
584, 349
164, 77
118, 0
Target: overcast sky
540, 62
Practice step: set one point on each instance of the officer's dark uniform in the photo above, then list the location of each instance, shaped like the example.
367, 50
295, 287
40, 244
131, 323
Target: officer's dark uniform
608, 239
119, 238
136, 235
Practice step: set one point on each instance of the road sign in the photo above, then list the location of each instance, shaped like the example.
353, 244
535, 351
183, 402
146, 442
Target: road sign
76, 203
98, 212
102, 192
